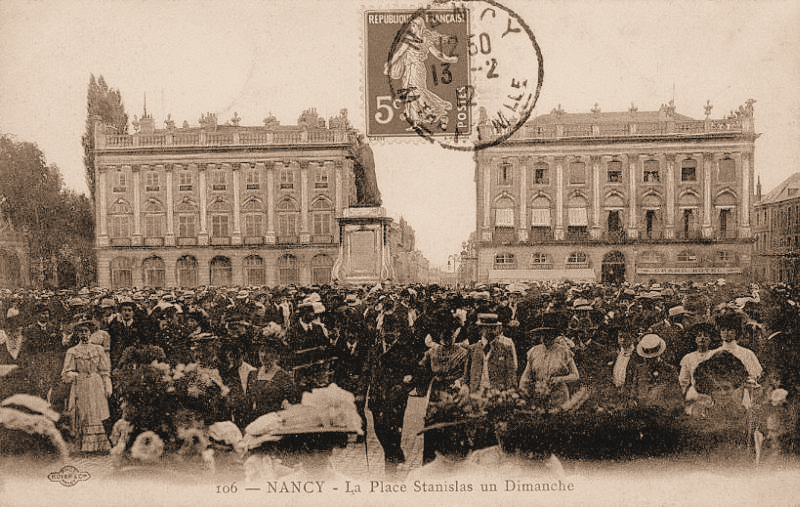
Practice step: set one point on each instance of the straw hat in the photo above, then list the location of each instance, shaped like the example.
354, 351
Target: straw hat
651, 345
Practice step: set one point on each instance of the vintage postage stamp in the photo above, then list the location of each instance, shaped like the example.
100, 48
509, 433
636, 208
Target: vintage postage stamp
465, 75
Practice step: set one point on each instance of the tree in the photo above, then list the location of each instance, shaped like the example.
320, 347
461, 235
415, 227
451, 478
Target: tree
33, 200
106, 103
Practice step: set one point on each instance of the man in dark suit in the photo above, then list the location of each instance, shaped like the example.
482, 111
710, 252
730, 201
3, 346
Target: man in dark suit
126, 330
42, 352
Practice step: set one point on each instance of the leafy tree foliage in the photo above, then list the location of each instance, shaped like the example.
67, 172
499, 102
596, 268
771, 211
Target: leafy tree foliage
106, 103
51, 218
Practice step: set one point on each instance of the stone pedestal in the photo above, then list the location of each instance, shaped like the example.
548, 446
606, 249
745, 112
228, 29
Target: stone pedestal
364, 254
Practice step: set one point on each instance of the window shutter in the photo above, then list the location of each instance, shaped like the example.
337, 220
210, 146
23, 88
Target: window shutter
540, 217
504, 217
578, 217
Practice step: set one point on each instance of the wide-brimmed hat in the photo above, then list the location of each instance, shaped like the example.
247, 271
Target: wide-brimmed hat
488, 320
675, 311
651, 345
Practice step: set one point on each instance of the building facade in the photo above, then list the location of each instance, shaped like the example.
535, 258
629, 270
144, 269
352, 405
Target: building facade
408, 263
776, 229
221, 205
617, 196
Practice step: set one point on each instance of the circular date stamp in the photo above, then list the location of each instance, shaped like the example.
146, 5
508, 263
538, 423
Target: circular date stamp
465, 75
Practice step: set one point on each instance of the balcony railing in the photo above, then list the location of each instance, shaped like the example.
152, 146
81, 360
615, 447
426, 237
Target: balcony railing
624, 129
244, 136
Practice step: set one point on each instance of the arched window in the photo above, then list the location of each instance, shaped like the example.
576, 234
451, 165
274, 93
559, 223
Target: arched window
121, 272
321, 266
186, 268
154, 272
288, 214
322, 220
221, 271
287, 270
254, 273
505, 261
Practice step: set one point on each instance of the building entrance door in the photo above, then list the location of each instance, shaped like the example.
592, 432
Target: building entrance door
613, 268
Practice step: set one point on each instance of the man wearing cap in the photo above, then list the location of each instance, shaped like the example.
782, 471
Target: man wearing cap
492, 362
42, 352
308, 339
655, 382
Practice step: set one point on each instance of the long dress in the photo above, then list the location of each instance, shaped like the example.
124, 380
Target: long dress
87, 396
447, 363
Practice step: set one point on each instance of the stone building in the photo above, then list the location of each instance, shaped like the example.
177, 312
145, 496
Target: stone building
617, 196
222, 204
408, 263
776, 229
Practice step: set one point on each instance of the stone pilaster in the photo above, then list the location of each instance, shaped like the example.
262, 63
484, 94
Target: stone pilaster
596, 232
523, 163
708, 161
202, 238
559, 230
101, 203
634, 170
236, 238
270, 237
136, 240
169, 237
669, 223
305, 235
746, 169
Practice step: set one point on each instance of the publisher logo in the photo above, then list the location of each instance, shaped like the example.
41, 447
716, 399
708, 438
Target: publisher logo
69, 476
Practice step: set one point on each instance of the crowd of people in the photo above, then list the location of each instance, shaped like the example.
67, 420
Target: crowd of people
704, 350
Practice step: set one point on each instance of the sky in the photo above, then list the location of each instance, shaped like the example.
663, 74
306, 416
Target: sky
258, 57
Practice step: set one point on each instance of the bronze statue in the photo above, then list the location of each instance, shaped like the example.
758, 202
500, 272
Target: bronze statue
367, 192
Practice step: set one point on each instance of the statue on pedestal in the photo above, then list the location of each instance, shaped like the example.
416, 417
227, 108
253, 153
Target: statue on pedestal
367, 192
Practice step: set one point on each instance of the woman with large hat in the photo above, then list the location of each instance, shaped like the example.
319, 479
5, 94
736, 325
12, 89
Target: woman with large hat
270, 387
88, 370
550, 364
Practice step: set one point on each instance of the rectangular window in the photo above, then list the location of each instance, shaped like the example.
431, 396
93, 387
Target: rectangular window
504, 175
120, 181
541, 176
727, 169
504, 217
152, 226
151, 182
615, 171
218, 180
689, 171
252, 225
253, 179
577, 173
321, 178
185, 181
322, 223
186, 226
651, 172
219, 226
287, 178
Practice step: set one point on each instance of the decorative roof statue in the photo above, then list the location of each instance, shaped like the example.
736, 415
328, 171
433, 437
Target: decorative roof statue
310, 119
633, 109
208, 121
708, 107
169, 122
367, 192
558, 112
596, 108
271, 121
339, 122
236, 119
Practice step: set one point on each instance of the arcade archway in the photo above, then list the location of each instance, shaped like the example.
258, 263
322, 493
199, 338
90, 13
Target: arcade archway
613, 268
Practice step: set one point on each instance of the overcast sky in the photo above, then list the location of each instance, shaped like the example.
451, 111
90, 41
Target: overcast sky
254, 58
